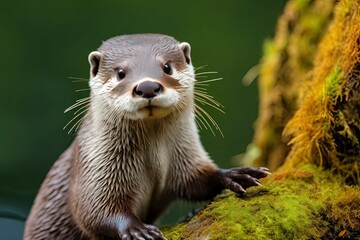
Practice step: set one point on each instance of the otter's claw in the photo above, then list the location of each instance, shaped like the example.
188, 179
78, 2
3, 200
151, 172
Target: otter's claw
238, 179
143, 232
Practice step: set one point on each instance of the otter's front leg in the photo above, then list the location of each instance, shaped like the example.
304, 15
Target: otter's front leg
239, 179
205, 180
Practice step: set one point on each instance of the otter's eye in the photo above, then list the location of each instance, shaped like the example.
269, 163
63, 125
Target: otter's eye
121, 74
167, 69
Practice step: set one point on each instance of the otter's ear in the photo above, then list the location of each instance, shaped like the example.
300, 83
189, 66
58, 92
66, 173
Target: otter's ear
185, 48
94, 60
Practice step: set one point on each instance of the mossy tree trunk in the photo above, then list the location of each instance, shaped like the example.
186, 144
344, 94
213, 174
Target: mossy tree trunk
309, 89
308, 132
285, 67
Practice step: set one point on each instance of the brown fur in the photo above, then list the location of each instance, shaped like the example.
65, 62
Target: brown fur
121, 172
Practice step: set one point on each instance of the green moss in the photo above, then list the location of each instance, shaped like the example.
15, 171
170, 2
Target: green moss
333, 83
297, 204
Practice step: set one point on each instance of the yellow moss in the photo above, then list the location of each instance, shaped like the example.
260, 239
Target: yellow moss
301, 4
326, 128
284, 69
316, 120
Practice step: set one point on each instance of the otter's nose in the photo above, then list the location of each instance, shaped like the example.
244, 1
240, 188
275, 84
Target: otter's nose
148, 89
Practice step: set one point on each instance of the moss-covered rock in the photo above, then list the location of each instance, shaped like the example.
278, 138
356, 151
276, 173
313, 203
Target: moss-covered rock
306, 203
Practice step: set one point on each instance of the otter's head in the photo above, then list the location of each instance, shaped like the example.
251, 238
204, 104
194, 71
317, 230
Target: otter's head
146, 76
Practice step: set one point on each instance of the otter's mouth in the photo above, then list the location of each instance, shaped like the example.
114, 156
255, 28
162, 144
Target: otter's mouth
150, 110
150, 107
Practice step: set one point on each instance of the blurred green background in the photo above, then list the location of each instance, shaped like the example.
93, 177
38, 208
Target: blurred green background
43, 43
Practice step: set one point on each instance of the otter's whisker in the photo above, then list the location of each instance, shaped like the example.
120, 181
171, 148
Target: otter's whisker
209, 80
198, 117
75, 117
76, 125
203, 73
78, 103
209, 100
199, 67
79, 78
199, 84
82, 90
79, 124
202, 97
81, 108
207, 125
75, 106
200, 89
203, 91
206, 96
83, 99
214, 123
204, 102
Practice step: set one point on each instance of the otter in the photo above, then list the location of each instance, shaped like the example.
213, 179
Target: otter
136, 151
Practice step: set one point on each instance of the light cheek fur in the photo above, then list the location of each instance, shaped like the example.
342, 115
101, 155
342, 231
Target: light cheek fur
96, 85
186, 77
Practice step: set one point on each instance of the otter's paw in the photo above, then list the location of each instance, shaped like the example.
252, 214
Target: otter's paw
142, 232
238, 179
